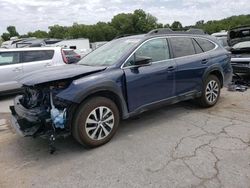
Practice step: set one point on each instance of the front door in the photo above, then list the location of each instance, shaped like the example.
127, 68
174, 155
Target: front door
151, 83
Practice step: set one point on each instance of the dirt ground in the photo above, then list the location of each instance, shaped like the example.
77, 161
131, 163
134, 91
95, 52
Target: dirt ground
176, 146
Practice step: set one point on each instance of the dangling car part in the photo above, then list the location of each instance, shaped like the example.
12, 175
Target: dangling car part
38, 112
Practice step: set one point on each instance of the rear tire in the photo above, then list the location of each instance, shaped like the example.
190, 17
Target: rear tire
96, 121
210, 92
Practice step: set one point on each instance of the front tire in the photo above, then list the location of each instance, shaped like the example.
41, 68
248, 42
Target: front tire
210, 92
96, 121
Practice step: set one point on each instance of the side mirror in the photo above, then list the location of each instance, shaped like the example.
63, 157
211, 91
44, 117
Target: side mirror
143, 61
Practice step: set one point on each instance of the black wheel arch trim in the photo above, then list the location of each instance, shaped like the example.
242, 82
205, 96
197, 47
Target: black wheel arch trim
78, 93
211, 69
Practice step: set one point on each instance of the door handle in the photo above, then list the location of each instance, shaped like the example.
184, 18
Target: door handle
17, 69
171, 68
204, 61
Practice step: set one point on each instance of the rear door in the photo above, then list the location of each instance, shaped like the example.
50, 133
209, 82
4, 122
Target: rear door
10, 69
37, 59
191, 63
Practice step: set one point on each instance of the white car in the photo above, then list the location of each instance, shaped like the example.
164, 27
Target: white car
16, 62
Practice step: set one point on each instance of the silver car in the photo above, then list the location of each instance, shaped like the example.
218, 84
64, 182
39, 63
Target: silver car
16, 62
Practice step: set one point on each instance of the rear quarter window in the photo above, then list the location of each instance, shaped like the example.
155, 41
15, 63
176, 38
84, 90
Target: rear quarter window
38, 55
205, 44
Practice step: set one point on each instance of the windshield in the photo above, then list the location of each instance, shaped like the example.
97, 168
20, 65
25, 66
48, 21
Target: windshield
109, 53
240, 45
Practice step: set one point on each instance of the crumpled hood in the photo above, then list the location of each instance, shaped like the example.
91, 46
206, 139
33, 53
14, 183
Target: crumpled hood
57, 73
237, 35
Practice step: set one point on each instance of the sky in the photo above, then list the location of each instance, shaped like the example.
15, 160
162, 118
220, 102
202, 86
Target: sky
31, 15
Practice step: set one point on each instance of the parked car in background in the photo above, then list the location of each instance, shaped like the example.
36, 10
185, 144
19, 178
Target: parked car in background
222, 33
222, 37
10, 43
81, 46
72, 56
120, 79
16, 42
239, 42
19, 61
223, 41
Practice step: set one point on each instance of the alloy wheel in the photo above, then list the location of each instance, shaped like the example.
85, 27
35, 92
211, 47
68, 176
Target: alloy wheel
99, 123
212, 91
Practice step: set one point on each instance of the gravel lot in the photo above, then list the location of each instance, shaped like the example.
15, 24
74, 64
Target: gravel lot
176, 146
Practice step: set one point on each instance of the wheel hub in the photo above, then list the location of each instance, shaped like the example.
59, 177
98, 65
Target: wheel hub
99, 123
212, 91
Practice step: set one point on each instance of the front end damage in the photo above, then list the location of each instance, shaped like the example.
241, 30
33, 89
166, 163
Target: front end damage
39, 113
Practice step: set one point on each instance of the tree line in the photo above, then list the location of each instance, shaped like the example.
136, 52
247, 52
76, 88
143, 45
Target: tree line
137, 22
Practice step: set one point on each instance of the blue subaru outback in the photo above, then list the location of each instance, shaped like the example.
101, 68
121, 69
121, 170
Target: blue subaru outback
121, 79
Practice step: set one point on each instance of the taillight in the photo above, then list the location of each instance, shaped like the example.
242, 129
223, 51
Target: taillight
64, 57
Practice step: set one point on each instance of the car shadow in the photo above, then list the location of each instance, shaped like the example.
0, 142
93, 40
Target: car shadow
35, 150
67, 145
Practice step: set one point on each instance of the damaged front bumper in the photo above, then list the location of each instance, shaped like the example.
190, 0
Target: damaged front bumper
28, 122
241, 65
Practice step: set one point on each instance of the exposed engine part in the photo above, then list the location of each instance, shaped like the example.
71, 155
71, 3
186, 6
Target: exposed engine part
238, 79
58, 117
239, 83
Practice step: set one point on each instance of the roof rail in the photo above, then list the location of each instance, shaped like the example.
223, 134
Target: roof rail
123, 35
161, 31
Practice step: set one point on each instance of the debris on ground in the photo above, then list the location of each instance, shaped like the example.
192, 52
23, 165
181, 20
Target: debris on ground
239, 83
237, 87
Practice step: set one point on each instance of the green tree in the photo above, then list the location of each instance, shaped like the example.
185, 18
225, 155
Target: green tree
176, 25
12, 31
166, 26
123, 23
58, 31
144, 22
38, 34
199, 23
5, 36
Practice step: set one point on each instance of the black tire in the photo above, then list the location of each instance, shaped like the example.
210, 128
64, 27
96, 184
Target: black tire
204, 99
85, 112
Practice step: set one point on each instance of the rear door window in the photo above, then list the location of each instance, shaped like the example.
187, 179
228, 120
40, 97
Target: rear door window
205, 44
38, 55
182, 46
197, 47
7, 58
